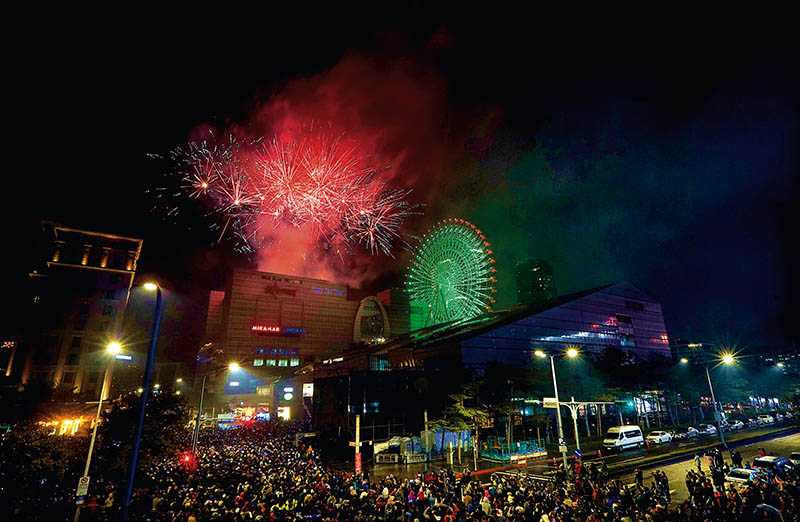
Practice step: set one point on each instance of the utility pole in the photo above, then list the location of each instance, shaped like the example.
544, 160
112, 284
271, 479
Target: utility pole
574, 410
357, 445
146, 384
562, 444
196, 434
88, 464
716, 409
427, 443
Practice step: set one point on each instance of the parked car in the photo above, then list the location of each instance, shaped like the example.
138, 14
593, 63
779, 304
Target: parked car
736, 425
766, 419
742, 475
778, 417
707, 429
688, 434
772, 464
623, 437
659, 437
795, 458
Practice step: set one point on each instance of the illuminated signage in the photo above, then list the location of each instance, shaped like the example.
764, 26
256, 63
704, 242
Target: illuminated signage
123, 357
324, 290
276, 290
308, 389
273, 329
265, 329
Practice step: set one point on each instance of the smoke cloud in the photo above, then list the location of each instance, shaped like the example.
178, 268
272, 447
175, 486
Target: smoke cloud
394, 111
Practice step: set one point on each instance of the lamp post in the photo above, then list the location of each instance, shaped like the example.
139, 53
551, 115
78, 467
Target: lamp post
113, 349
148, 376
723, 358
232, 367
571, 353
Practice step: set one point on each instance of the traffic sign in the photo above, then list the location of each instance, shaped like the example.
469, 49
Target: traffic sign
550, 402
578, 453
83, 486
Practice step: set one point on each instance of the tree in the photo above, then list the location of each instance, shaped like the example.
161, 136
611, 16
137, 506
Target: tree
165, 431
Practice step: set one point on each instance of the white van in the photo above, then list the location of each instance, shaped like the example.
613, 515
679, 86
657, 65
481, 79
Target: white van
623, 437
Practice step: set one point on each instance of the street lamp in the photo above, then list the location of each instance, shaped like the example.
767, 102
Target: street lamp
148, 377
571, 353
728, 359
232, 367
112, 348
684, 360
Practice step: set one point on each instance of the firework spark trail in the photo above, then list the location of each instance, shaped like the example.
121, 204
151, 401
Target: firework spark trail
314, 180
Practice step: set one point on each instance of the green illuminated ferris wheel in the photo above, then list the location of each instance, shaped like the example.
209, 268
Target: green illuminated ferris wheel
452, 274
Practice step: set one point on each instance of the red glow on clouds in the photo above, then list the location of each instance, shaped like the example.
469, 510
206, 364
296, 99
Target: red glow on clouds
394, 113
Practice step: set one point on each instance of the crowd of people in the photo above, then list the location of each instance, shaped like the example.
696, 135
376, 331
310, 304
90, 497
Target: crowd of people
262, 473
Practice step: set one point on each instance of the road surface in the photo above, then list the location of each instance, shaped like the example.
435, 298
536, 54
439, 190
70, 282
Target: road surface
676, 473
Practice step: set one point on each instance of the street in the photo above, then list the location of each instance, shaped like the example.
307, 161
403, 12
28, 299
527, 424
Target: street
676, 473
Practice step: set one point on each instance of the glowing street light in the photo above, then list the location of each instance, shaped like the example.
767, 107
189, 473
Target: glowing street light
684, 360
571, 352
179, 380
727, 358
234, 366
114, 347
779, 365
150, 286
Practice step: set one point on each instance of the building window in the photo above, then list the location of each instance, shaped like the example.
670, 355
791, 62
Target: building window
294, 362
634, 305
258, 362
108, 310
269, 362
76, 342
378, 363
110, 295
79, 323
283, 362
73, 358
68, 378
625, 319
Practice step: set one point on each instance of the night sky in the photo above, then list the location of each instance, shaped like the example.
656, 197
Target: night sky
664, 157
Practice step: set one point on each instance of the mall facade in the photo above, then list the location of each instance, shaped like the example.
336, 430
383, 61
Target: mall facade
311, 348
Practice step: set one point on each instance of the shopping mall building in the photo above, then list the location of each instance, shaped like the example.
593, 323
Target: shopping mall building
309, 347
